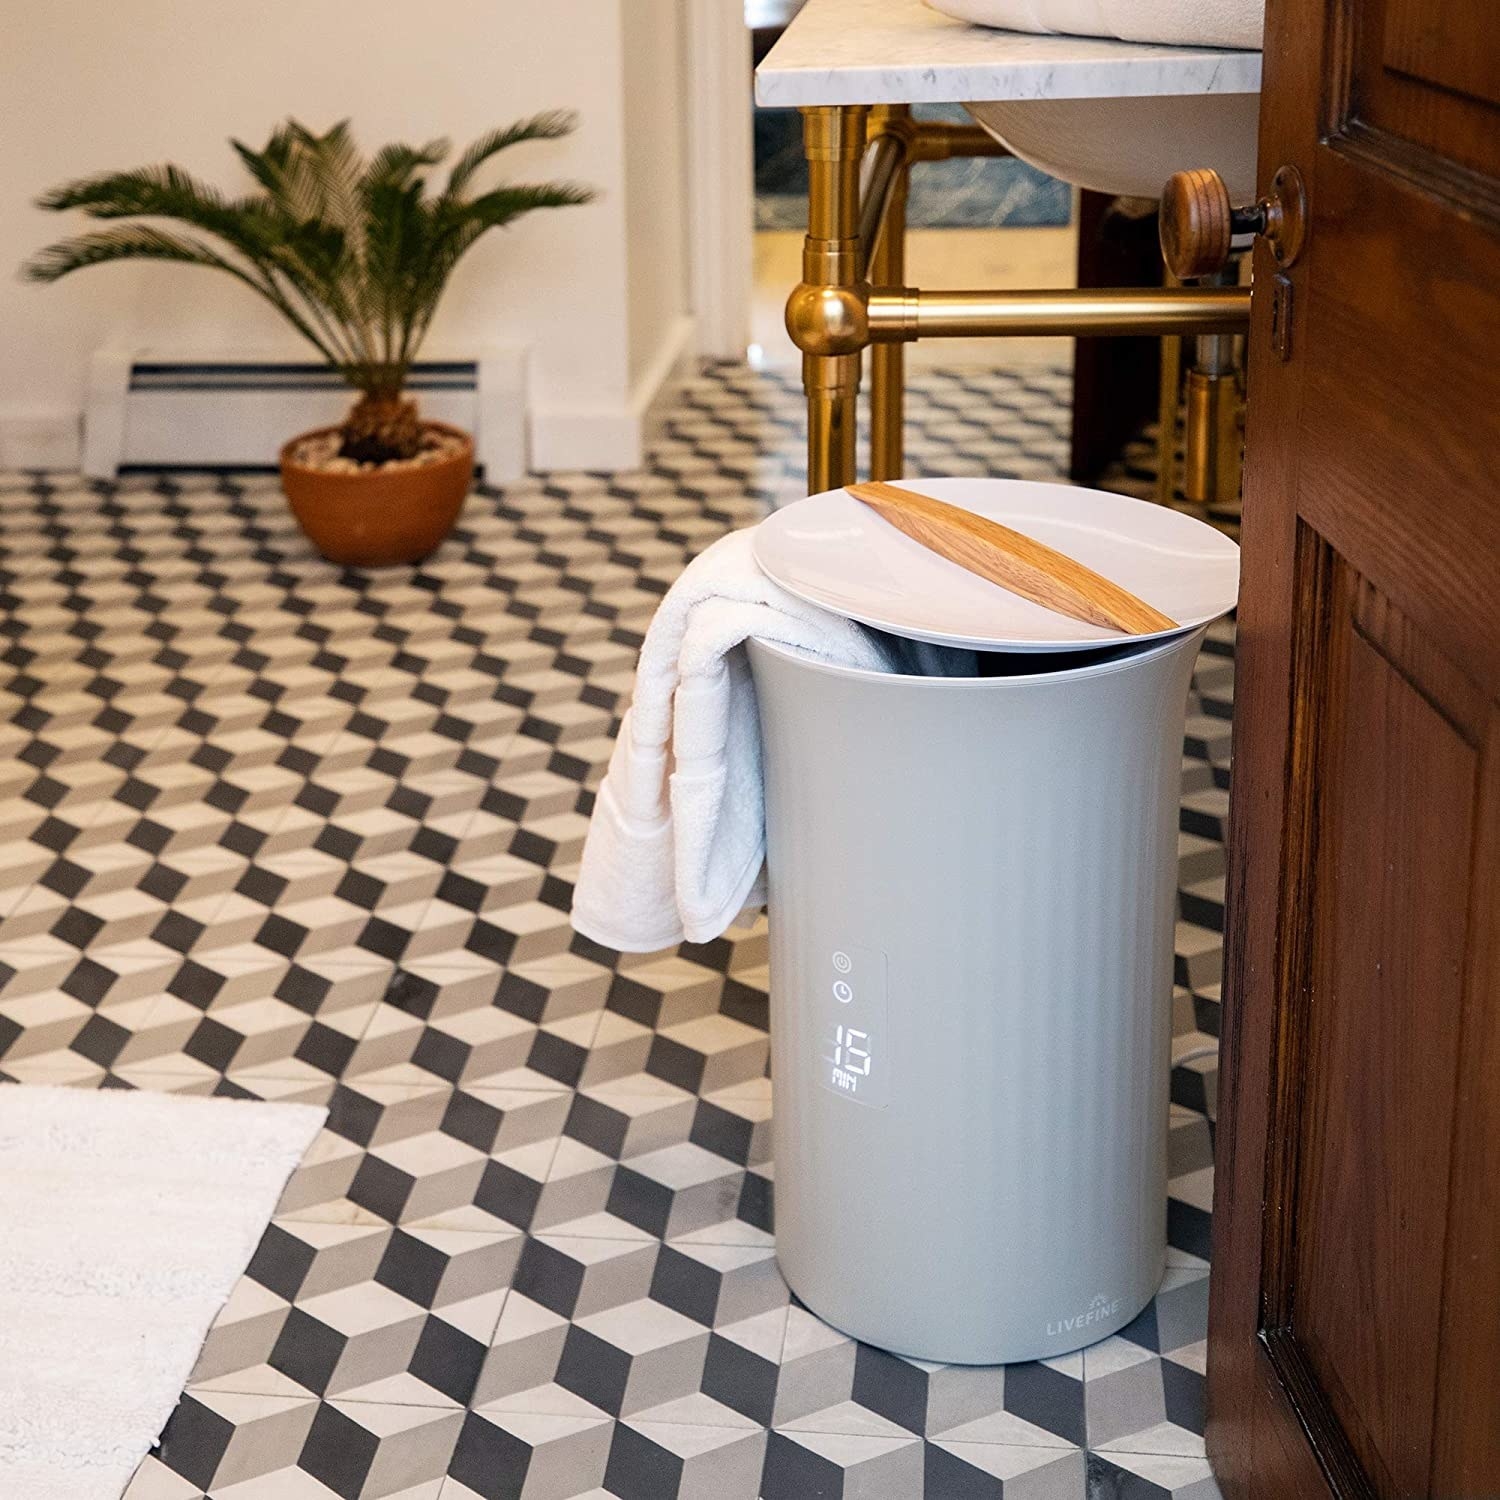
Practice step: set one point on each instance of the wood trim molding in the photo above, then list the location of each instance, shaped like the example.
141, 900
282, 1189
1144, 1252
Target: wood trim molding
1346, 1479
1316, 577
717, 124
1416, 167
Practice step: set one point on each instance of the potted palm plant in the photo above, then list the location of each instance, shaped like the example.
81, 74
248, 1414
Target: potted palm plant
355, 254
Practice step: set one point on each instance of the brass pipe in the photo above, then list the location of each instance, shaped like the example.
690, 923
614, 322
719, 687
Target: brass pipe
904, 313
1168, 395
1211, 437
825, 314
1211, 451
833, 137
1166, 420
937, 140
896, 142
832, 386
888, 361
1211, 434
884, 162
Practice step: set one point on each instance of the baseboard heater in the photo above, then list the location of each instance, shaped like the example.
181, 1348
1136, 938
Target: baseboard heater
155, 408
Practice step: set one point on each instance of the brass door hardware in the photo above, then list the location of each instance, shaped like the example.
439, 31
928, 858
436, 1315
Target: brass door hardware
1199, 225
1200, 232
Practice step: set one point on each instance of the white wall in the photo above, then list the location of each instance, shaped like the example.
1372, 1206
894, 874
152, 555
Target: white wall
94, 85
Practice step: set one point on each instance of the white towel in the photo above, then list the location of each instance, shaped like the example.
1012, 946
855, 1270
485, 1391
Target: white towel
677, 844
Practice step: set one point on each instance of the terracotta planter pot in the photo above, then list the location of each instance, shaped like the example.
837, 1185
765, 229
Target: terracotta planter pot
381, 516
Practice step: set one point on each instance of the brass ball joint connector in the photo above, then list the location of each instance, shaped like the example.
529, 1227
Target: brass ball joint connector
826, 320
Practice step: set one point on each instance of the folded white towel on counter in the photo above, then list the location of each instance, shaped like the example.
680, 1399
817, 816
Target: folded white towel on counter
1190, 23
676, 847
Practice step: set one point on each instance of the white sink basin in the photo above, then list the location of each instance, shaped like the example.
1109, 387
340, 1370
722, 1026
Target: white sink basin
1131, 145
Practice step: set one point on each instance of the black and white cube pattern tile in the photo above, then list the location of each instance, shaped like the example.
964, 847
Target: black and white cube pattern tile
276, 830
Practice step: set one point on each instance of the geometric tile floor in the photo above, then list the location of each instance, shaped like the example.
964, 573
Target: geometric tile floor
272, 829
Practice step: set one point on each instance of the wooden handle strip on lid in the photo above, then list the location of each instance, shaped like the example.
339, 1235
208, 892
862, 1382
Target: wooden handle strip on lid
1014, 561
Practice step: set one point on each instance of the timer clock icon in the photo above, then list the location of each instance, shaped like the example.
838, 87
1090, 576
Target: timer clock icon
851, 1008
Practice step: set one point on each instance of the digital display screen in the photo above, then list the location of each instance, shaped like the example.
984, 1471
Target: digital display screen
855, 1060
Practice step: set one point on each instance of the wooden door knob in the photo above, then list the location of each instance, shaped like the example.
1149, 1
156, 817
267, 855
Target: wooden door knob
1196, 223
1199, 225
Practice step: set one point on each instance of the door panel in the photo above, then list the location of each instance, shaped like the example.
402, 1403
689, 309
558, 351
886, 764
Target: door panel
1466, 1447
1423, 73
1379, 1034
1446, 42
1354, 1344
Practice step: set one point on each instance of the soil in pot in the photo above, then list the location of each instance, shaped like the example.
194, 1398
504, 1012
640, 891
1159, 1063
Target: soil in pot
374, 515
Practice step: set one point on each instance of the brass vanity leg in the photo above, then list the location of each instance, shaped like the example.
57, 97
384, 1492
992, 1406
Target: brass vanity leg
825, 315
888, 361
1211, 441
1166, 427
832, 386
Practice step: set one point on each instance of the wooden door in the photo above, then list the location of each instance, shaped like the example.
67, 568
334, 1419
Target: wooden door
1355, 1328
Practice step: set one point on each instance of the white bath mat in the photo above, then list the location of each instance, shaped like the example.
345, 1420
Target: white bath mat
125, 1220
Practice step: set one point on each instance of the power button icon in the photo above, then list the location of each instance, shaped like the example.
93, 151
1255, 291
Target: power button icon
842, 962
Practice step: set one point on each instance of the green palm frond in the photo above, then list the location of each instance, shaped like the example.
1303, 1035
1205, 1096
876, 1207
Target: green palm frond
129, 242
550, 126
298, 190
147, 190
354, 253
266, 165
166, 192
395, 165
334, 166
496, 209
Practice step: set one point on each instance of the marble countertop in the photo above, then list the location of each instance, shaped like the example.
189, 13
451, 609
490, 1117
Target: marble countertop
903, 52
